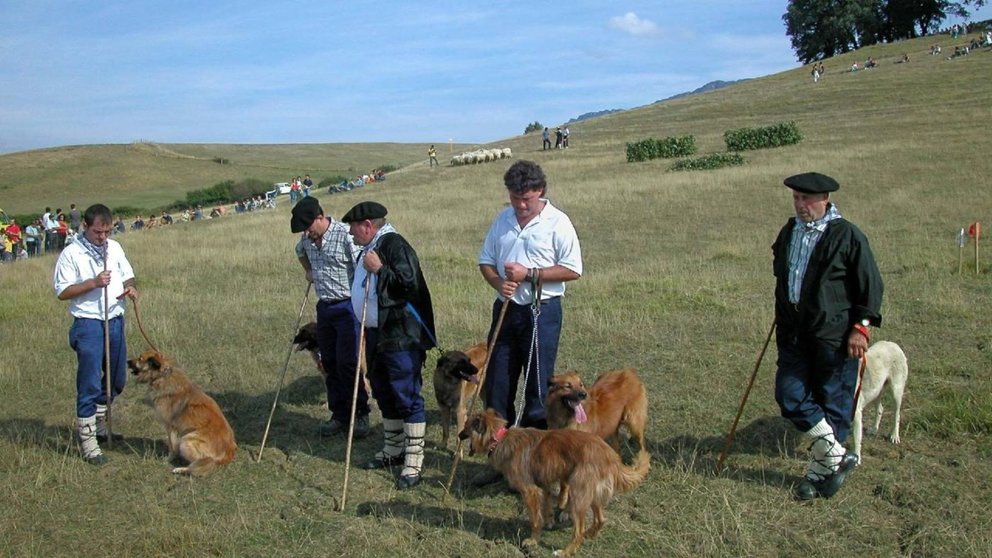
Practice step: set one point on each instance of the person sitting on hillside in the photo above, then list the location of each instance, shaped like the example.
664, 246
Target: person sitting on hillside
119, 226
854, 67
166, 218
870, 63
152, 222
138, 223
214, 213
974, 44
935, 50
197, 213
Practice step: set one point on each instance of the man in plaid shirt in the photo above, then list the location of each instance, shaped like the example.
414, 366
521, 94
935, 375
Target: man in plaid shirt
327, 254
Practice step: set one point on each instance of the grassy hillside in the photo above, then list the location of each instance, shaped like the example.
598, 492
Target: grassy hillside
152, 175
677, 283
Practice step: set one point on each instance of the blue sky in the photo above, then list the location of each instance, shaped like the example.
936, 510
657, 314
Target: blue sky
177, 71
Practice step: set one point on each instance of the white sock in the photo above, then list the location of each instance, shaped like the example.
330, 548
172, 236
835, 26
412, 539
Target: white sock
88, 446
413, 460
101, 420
827, 451
393, 439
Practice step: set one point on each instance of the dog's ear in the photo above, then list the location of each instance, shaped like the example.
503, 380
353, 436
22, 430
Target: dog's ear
160, 362
467, 367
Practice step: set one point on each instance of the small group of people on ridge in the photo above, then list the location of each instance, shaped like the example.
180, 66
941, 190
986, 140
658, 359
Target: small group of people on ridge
561, 138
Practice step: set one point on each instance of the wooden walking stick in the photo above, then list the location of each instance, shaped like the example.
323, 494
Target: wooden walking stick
863, 363
282, 375
354, 396
475, 394
106, 353
740, 409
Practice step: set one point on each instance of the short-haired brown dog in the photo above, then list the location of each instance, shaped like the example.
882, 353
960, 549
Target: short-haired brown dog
196, 428
616, 398
455, 380
576, 468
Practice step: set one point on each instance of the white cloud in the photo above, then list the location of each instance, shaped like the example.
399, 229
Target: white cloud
631, 23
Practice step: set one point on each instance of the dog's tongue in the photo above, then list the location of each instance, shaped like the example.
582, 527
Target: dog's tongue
580, 414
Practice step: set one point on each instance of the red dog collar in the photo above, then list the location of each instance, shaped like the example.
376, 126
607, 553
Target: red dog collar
497, 438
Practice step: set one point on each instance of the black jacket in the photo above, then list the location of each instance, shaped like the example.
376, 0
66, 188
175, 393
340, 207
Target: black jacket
841, 287
400, 282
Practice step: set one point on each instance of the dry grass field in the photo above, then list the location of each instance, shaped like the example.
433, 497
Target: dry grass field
677, 284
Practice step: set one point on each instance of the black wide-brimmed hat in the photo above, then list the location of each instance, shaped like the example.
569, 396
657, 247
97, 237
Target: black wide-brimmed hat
812, 183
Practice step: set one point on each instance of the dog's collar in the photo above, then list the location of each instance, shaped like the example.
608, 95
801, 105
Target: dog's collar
497, 438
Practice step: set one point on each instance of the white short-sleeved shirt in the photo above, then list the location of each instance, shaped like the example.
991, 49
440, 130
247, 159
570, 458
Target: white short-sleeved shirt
548, 239
76, 265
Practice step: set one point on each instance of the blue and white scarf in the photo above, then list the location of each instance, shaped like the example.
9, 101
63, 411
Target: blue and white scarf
96, 251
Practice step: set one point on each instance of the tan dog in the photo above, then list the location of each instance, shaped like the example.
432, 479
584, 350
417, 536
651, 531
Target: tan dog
196, 427
616, 398
885, 364
577, 466
455, 380
306, 340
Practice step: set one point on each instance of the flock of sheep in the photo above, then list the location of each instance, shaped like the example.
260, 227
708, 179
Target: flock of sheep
481, 156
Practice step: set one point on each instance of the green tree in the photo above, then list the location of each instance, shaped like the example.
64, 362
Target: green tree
822, 28
534, 126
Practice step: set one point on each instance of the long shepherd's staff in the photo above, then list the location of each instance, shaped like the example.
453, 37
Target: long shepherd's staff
475, 394
106, 352
354, 396
282, 376
740, 409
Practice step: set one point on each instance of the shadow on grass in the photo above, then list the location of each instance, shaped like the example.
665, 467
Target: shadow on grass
771, 437
60, 438
447, 517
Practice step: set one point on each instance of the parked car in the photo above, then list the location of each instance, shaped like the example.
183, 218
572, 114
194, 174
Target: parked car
281, 187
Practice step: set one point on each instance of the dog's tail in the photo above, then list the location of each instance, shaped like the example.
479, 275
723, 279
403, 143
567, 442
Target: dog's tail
629, 477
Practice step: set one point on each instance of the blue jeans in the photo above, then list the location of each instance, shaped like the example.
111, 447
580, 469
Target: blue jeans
510, 356
337, 337
396, 379
816, 382
86, 338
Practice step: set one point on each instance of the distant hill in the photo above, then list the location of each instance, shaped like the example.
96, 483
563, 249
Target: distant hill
711, 86
589, 115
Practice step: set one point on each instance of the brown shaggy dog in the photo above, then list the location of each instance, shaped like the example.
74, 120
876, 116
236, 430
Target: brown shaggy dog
306, 340
616, 398
196, 427
455, 380
578, 466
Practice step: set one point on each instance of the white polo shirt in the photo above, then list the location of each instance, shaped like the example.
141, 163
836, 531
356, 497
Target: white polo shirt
548, 239
76, 265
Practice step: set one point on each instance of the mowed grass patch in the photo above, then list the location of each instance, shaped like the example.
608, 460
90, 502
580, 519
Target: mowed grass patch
677, 284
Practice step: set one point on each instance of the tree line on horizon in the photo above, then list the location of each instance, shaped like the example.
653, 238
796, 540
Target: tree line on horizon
823, 28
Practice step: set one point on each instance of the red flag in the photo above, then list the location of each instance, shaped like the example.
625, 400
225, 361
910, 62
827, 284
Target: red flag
975, 230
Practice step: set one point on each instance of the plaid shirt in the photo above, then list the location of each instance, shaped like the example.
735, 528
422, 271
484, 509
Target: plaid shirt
804, 239
333, 264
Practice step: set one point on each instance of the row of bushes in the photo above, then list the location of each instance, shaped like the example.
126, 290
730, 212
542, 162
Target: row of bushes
776, 135
709, 162
667, 148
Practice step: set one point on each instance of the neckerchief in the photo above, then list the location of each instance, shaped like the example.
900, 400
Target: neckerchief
95, 251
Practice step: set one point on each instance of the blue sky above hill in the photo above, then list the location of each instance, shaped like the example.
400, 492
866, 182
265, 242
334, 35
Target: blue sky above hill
180, 71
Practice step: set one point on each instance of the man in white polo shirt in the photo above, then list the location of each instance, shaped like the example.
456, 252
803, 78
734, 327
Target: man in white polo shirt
81, 275
529, 254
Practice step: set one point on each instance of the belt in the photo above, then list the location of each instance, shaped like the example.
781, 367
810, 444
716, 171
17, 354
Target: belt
338, 301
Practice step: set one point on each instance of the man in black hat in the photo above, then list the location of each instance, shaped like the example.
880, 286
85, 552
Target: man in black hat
399, 329
828, 292
327, 254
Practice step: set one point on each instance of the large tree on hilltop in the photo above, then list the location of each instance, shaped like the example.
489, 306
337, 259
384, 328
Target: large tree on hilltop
823, 28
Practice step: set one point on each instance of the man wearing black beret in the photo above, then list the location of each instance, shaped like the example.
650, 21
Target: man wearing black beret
327, 254
828, 292
399, 329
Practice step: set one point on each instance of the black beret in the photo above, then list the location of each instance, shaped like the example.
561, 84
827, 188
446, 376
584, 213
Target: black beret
812, 183
304, 213
363, 211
